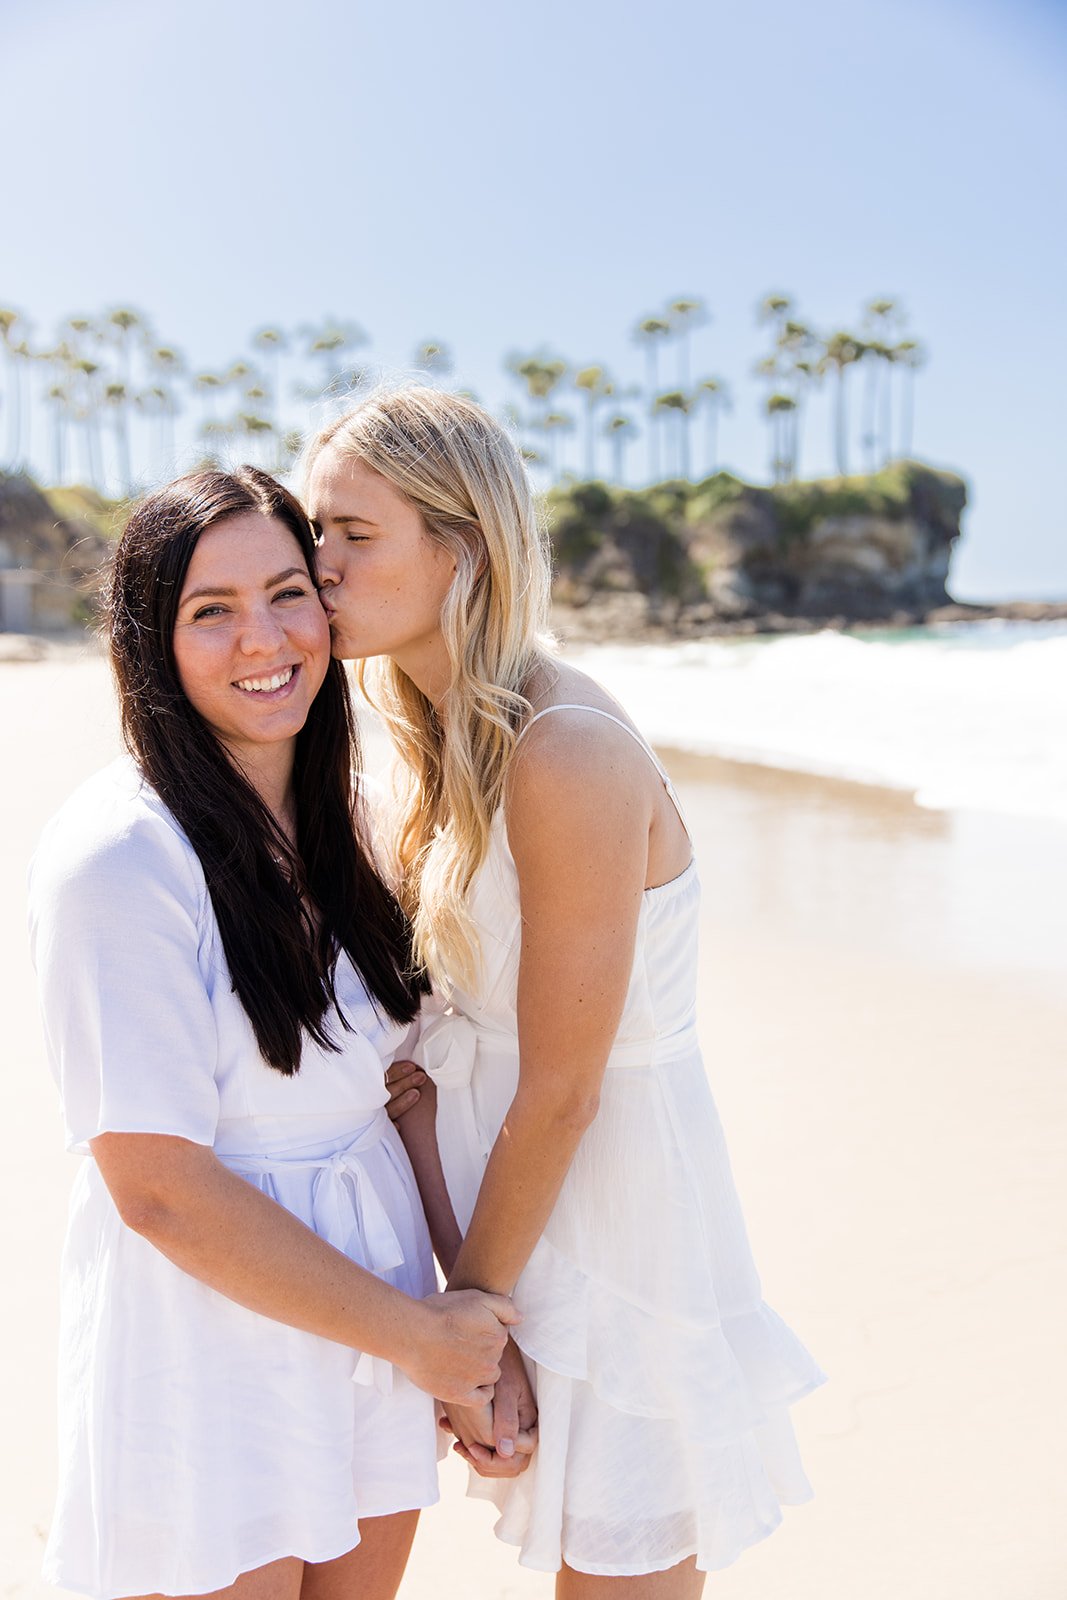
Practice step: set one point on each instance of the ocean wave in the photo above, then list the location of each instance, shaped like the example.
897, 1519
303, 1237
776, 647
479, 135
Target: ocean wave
972, 716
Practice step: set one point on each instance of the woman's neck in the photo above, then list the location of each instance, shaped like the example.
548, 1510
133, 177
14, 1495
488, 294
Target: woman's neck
270, 770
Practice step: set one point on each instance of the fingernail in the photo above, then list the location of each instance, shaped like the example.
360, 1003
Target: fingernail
506, 1447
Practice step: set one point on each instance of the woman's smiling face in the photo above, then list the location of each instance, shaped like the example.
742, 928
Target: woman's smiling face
251, 641
384, 579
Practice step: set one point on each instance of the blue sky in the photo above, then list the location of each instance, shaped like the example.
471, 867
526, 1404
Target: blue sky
506, 177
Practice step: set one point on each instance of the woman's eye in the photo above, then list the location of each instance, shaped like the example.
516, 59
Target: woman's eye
208, 611
290, 594
356, 538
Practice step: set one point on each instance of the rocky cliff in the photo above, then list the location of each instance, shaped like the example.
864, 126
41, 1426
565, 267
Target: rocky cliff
54, 544
724, 554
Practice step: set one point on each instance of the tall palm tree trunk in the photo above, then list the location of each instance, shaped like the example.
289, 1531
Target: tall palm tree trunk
887, 412
840, 426
14, 411
653, 434
711, 430
907, 417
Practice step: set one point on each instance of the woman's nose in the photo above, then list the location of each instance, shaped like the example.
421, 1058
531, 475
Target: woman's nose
262, 631
326, 572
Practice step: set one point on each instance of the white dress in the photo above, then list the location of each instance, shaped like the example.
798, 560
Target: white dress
198, 1439
662, 1378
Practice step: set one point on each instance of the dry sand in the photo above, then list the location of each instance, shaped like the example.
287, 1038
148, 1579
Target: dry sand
885, 1021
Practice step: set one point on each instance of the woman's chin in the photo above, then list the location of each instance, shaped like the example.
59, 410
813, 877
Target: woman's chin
343, 647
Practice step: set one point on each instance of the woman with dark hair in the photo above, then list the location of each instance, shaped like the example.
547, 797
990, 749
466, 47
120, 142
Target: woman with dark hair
250, 1338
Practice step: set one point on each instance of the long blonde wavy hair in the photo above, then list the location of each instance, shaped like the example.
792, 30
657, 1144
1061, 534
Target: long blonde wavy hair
463, 474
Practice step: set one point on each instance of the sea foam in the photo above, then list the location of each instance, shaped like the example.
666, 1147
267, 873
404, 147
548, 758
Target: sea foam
970, 716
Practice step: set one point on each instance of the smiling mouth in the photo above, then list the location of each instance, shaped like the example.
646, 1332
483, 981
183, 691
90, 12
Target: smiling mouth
267, 685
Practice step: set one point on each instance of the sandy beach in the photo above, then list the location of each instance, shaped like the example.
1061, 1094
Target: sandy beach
884, 1017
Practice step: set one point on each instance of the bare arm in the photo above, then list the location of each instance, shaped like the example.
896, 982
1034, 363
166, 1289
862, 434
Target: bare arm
578, 824
497, 1440
413, 1106
231, 1236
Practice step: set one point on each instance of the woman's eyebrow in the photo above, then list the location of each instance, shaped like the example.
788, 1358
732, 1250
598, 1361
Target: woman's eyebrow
365, 521
201, 594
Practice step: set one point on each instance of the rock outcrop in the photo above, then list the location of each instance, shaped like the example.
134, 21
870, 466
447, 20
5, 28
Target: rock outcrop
52, 547
720, 553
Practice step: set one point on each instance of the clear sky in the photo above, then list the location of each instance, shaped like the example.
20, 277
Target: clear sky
507, 176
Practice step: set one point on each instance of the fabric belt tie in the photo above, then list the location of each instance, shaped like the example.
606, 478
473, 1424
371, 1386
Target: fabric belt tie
446, 1052
362, 1231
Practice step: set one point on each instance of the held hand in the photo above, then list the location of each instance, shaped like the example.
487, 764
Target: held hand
408, 1087
500, 1442
456, 1344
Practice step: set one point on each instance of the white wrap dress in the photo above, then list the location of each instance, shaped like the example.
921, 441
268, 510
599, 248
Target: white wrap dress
199, 1439
663, 1380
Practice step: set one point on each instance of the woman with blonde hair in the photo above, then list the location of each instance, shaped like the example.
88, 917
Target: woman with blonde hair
562, 1130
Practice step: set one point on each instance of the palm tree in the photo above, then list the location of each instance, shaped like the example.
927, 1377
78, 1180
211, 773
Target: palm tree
59, 399
684, 315
434, 358
882, 319
272, 344
555, 425
123, 321
796, 342
870, 356
254, 426
119, 328
775, 308
290, 446
9, 321
840, 351
910, 356
215, 434
780, 408
325, 346
713, 396
649, 332
166, 365
57, 396
620, 429
87, 413
806, 375
207, 385
541, 376
117, 399
597, 386
681, 405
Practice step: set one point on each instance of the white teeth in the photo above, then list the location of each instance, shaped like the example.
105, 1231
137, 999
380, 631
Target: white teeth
259, 685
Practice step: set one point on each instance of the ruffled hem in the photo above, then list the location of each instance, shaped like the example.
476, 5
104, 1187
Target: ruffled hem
57, 1572
675, 1493
731, 1371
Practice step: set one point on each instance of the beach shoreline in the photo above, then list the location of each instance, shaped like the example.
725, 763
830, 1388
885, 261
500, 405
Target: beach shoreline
882, 1014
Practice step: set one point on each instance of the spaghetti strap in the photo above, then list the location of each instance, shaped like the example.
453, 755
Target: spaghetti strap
634, 735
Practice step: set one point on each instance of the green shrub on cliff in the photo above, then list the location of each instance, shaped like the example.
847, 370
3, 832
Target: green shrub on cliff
666, 540
81, 506
898, 490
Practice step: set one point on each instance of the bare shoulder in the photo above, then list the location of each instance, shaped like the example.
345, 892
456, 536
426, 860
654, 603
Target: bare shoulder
577, 771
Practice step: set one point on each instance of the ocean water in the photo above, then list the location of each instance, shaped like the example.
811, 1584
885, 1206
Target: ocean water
969, 716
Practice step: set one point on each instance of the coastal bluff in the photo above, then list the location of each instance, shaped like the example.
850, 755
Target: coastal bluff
726, 556
53, 544
675, 560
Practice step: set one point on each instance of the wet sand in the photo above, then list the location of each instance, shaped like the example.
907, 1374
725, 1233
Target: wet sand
884, 1020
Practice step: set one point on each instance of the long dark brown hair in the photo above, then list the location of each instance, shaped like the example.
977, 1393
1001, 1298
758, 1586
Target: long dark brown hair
282, 962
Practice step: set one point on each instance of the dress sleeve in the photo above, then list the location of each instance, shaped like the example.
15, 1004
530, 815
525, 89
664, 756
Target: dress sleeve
128, 1021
